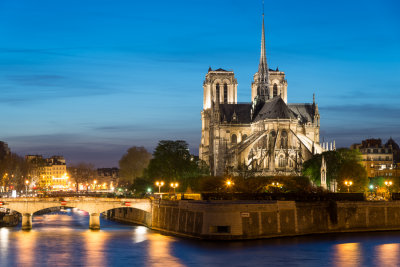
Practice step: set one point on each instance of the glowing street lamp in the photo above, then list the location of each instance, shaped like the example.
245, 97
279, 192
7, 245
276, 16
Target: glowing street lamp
174, 186
159, 184
348, 184
388, 185
26, 187
229, 183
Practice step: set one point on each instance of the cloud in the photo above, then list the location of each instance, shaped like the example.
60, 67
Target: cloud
37, 80
379, 112
20, 89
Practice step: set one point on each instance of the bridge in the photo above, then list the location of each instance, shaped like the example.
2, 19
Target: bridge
94, 206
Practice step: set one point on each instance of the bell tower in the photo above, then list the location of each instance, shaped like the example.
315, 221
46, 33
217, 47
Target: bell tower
220, 86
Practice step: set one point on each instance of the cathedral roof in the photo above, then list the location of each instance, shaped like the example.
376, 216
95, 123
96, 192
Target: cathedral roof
275, 108
304, 111
242, 112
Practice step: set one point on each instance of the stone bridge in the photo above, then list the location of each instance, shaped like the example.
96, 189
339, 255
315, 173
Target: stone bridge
94, 206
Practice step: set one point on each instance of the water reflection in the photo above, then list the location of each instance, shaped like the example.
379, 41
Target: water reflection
387, 255
347, 255
140, 234
26, 246
94, 248
4, 233
160, 252
62, 240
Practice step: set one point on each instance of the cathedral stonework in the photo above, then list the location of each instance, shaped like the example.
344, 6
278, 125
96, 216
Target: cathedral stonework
267, 136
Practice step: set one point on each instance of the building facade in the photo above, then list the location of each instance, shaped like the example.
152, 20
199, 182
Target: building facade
267, 136
379, 160
49, 173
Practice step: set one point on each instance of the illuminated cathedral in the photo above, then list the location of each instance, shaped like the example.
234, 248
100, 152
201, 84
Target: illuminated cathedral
267, 136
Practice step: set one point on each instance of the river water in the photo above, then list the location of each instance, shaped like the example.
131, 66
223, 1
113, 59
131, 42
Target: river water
62, 239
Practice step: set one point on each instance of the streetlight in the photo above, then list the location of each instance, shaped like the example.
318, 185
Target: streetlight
229, 183
95, 182
159, 184
26, 187
174, 185
348, 184
388, 184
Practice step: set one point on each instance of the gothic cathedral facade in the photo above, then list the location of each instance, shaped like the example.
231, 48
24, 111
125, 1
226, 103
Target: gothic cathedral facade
266, 136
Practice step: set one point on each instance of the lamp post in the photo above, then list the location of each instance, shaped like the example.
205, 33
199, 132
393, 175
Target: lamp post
174, 186
159, 184
388, 185
348, 184
26, 187
94, 182
229, 183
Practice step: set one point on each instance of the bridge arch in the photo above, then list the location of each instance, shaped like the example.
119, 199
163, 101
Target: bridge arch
94, 206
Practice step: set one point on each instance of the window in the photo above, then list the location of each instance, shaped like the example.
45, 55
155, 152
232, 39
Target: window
225, 93
275, 90
217, 93
244, 137
281, 161
234, 139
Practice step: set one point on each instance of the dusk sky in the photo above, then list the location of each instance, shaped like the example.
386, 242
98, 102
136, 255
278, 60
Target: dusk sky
87, 79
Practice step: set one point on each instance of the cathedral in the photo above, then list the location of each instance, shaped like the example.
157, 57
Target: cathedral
266, 136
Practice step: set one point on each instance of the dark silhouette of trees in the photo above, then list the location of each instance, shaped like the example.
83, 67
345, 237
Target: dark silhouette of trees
133, 163
172, 162
82, 173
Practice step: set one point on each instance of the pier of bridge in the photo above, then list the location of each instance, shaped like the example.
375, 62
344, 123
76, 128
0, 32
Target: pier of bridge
94, 206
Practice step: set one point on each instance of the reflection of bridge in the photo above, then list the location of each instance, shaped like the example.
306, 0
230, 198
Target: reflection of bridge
94, 206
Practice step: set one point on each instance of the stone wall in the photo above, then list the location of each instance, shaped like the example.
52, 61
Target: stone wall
263, 219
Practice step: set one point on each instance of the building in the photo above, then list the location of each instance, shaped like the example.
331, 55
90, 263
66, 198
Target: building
379, 159
4, 149
266, 136
108, 177
49, 173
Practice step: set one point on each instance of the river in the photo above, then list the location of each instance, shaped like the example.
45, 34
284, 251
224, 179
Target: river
62, 239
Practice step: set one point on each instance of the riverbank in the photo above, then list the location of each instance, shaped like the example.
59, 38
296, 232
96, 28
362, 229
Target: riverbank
236, 220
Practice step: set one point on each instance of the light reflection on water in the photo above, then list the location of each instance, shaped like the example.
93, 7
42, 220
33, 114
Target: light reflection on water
63, 239
348, 255
387, 255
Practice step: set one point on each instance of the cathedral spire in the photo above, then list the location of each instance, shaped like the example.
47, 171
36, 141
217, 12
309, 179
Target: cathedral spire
263, 79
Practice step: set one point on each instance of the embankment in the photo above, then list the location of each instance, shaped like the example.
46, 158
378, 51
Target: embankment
230, 220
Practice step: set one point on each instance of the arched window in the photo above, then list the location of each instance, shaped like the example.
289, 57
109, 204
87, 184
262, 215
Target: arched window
281, 161
244, 137
217, 93
233, 139
225, 93
275, 90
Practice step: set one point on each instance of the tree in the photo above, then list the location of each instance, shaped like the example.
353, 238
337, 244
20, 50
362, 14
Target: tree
352, 171
342, 164
13, 171
133, 163
82, 173
172, 161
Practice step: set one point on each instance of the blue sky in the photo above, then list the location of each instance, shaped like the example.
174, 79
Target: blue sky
87, 79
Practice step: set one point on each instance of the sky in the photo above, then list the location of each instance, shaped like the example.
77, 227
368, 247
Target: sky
87, 79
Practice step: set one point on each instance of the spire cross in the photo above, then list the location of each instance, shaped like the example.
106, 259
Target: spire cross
263, 8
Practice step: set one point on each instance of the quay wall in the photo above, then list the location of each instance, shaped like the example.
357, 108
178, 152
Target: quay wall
230, 220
